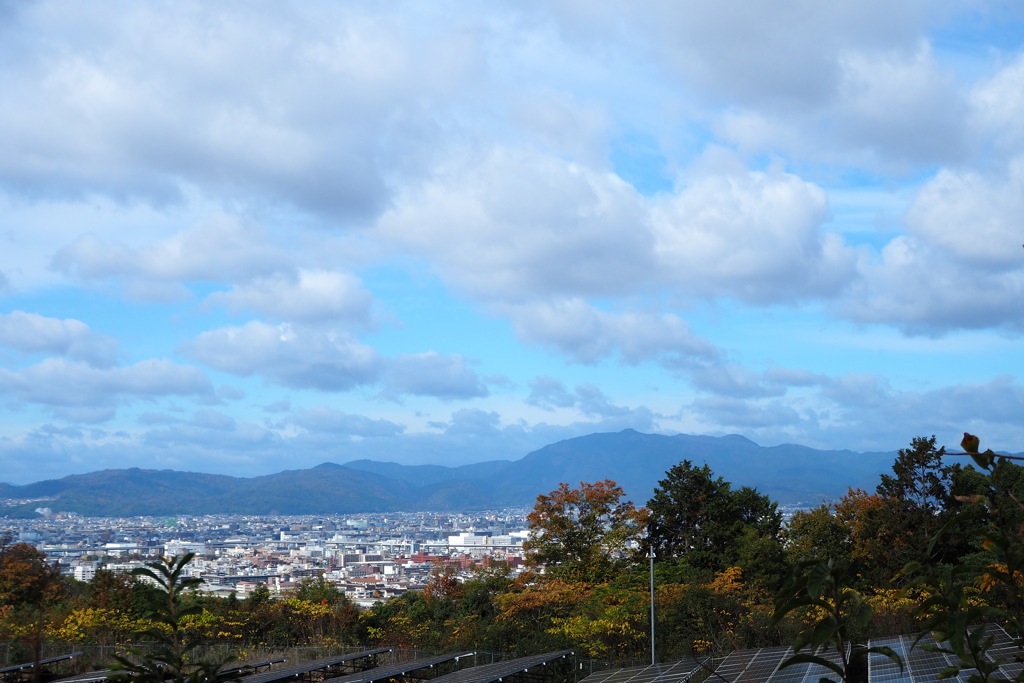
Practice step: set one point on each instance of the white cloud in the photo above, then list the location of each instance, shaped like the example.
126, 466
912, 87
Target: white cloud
973, 218
960, 267
997, 108
308, 296
290, 355
761, 52
904, 108
336, 422
32, 333
549, 393
511, 225
587, 334
222, 248
432, 374
310, 106
754, 236
73, 384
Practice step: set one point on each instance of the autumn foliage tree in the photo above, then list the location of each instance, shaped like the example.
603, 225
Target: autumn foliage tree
30, 590
584, 534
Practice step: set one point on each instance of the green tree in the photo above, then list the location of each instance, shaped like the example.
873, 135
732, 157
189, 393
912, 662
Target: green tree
317, 589
700, 520
585, 534
962, 600
817, 534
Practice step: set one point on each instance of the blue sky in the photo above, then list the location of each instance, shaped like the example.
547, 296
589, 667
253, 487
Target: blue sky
247, 237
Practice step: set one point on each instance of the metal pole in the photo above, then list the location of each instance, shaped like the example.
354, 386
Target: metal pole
652, 604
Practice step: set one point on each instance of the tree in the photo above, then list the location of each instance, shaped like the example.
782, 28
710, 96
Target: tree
895, 525
952, 610
317, 589
817, 534
701, 520
586, 534
29, 588
26, 578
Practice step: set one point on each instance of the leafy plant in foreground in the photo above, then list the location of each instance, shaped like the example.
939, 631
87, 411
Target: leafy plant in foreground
170, 657
820, 590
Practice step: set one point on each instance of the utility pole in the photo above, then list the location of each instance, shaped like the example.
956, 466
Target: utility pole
651, 555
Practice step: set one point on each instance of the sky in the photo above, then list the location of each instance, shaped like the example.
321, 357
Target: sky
244, 237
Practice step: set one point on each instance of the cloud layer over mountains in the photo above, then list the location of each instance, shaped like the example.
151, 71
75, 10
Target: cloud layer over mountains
238, 235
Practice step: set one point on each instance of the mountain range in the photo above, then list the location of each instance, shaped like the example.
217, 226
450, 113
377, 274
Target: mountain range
788, 474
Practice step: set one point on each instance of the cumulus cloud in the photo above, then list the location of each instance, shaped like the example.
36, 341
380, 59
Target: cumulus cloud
32, 333
307, 296
339, 423
591, 402
770, 55
904, 107
432, 374
293, 356
755, 236
549, 393
588, 334
512, 224
226, 100
997, 108
960, 267
222, 248
89, 393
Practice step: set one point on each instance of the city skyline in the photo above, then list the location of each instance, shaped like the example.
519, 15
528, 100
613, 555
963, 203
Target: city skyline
243, 238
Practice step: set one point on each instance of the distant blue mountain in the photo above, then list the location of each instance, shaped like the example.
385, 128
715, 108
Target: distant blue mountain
637, 462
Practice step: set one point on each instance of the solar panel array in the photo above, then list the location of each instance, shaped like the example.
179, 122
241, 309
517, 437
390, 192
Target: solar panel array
920, 664
808, 672
313, 665
490, 673
381, 673
89, 677
751, 665
673, 672
41, 662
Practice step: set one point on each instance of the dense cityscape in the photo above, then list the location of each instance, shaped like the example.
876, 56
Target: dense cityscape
369, 557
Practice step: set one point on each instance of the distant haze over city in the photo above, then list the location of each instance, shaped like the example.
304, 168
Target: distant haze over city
245, 238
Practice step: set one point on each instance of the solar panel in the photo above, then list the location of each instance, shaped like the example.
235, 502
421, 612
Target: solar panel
88, 677
312, 665
807, 672
673, 672
882, 669
489, 673
921, 664
248, 668
751, 665
41, 662
381, 673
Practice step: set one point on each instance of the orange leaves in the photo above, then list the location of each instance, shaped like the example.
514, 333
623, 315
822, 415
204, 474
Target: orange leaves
584, 534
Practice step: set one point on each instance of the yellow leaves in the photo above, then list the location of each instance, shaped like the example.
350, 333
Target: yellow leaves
999, 576
214, 627
701, 646
99, 625
729, 582
608, 636
305, 608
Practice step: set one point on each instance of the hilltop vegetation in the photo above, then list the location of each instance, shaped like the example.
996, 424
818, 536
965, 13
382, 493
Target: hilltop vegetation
937, 545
